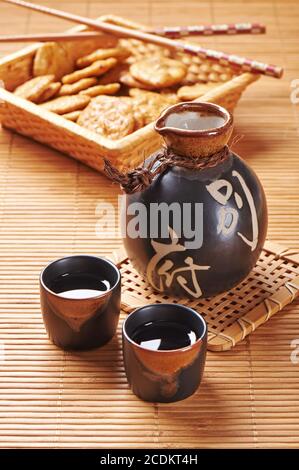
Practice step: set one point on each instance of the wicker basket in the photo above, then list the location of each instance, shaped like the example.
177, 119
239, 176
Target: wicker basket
70, 138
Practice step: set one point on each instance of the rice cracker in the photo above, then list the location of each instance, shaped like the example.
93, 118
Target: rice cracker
127, 79
119, 53
59, 58
73, 116
158, 72
66, 104
110, 116
150, 104
33, 89
97, 90
74, 88
50, 92
97, 68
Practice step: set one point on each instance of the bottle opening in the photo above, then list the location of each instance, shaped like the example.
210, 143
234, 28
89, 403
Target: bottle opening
194, 117
194, 120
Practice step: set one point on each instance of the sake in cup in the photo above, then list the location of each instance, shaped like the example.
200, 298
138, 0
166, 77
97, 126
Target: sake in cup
80, 301
164, 349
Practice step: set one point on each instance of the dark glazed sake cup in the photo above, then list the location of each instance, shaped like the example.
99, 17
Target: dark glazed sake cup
86, 323
164, 375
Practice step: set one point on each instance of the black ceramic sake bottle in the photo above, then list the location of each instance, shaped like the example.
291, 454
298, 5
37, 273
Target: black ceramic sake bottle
197, 231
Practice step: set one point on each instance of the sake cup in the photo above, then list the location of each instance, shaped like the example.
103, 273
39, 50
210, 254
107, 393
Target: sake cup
80, 323
164, 375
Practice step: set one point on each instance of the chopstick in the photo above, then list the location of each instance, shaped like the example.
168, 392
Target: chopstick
209, 30
48, 37
237, 62
168, 31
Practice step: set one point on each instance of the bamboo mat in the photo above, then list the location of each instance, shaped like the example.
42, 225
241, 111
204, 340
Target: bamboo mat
249, 396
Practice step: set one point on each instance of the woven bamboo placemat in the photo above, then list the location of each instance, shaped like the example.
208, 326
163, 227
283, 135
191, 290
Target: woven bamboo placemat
52, 399
231, 316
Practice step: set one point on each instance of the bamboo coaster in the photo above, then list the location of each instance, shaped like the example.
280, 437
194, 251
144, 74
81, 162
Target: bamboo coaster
231, 316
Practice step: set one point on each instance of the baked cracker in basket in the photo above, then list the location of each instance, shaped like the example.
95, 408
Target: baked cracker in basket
97, 90
66, 104
33, 89
59, 59
118, 53
95, 69
74, 88
110, 116
52, 58
73, 116
50, 92
113, 75
127, 79
150, 104
158, 72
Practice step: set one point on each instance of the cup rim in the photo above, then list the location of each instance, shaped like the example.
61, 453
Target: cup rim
163, 129
88, 299
159, 351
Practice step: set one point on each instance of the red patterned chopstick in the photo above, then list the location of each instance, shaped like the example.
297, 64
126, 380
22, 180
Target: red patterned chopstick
237, 62
209, 30
170, 32
234, 61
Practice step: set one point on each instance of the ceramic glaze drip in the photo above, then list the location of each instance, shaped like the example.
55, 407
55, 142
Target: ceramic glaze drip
79, 285
164, 335
194, 121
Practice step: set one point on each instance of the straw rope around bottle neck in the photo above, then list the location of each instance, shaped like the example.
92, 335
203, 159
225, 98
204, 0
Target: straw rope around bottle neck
141, 177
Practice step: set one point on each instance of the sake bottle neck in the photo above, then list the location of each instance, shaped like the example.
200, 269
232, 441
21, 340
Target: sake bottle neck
195, 129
